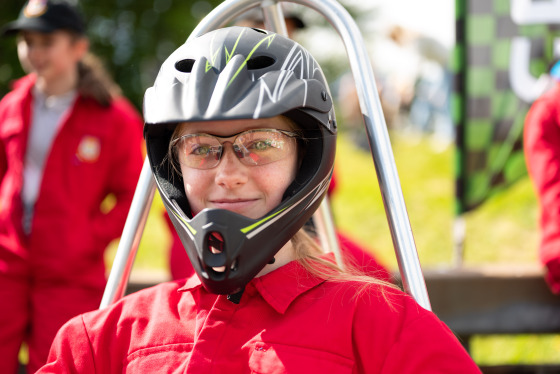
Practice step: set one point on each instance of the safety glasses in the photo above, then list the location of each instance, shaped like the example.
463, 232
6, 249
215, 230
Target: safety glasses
252, 147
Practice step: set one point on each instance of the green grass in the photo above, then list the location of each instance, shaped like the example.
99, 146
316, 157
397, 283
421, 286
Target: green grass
359, 211
503, 230
506, 223
518, 349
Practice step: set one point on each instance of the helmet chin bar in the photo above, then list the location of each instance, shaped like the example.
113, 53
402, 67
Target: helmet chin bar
241, 257
247, 247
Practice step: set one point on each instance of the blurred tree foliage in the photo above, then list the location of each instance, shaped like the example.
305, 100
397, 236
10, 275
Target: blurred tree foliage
132, 37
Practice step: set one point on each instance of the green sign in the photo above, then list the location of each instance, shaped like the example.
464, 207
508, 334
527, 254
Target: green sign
503, 48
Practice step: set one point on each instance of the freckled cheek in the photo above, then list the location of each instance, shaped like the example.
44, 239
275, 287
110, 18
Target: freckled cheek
276, 180
196, 186
292, 166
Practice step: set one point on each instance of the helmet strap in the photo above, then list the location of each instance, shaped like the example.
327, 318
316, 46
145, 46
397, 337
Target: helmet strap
236, 297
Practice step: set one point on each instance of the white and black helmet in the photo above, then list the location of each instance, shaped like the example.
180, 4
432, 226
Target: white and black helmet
240, 73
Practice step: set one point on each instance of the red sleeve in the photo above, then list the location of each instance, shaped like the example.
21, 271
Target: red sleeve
128, 151
427, 346
410, 338
71, 350
542, 153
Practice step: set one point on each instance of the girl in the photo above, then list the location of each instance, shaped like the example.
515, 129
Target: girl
241, 136
68, 142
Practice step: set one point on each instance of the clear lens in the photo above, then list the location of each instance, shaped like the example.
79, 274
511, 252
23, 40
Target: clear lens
253, 147
201, 151
260, 147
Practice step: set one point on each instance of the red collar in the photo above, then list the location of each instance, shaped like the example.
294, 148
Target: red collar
279, 288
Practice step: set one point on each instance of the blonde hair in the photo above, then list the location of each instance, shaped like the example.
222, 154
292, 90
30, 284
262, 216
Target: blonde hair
172, 157
311, 257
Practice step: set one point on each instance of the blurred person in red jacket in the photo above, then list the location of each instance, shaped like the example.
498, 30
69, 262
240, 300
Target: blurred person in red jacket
70, 157
542, 154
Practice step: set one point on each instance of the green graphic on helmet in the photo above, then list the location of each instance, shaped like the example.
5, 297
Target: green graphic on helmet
191, 229
229, 54
269, 38
245, 230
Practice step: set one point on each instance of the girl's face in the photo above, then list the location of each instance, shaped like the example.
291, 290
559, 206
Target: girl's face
52, 56
250, 190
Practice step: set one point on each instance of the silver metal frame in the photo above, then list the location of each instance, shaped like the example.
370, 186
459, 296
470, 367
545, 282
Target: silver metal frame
391, 192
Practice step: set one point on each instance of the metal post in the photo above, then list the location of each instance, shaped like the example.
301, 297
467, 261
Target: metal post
130, 238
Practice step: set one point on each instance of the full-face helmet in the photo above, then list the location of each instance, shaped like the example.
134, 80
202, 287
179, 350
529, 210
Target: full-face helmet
230, 74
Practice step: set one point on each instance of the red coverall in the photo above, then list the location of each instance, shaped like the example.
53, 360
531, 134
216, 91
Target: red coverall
287, 321
542, 153
58, 270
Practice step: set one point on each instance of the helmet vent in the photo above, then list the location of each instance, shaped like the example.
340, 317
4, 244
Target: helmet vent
185, 66
260, 62
259, 30
215, 246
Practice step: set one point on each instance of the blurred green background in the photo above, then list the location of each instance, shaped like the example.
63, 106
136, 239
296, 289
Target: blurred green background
133, 37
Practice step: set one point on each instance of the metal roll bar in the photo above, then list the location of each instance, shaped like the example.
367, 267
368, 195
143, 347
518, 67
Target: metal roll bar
378, 137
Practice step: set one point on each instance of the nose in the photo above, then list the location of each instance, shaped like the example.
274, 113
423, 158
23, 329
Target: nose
230, 172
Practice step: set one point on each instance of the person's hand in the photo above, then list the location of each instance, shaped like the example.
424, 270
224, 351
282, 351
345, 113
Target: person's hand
552, 276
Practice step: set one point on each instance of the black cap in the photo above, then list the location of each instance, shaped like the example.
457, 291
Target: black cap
47, 16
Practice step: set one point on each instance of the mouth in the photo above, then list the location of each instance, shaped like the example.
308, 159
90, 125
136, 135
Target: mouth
236, 205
